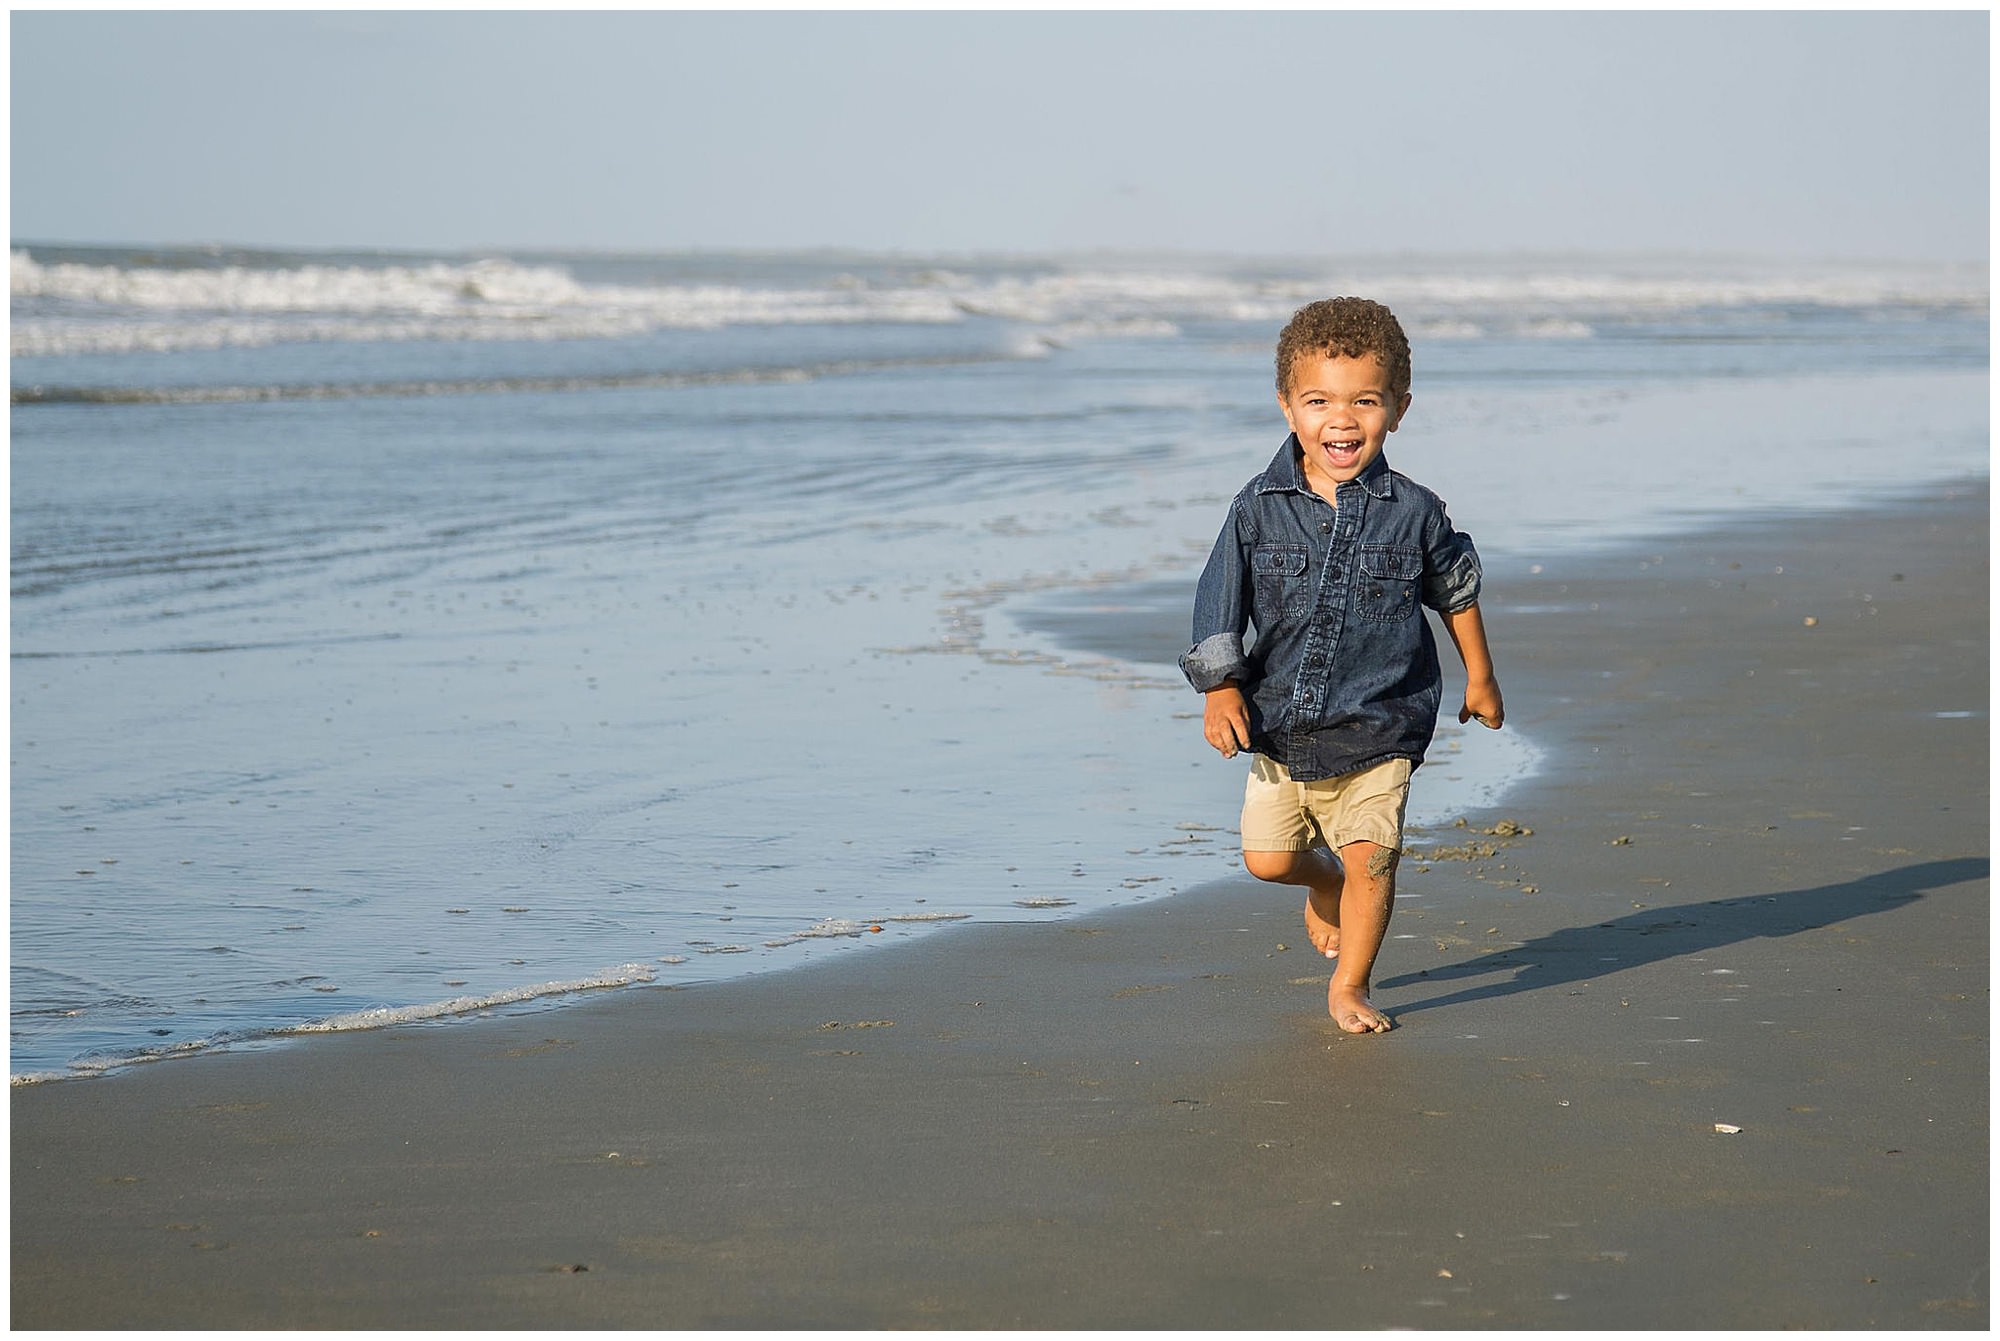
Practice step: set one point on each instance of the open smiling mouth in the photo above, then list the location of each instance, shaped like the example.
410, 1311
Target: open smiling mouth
1344, 452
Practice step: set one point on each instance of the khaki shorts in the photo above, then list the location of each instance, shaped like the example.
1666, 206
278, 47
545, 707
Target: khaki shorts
1280, 815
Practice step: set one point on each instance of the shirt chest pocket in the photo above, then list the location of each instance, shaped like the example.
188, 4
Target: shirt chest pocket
1390, 575
1279, 572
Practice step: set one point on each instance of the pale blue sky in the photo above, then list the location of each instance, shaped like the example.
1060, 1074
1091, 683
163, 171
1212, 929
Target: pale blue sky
1792, 133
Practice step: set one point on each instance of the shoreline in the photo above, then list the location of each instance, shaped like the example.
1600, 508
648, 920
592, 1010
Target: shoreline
1767, 830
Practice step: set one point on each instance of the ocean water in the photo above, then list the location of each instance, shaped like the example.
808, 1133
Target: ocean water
400, 637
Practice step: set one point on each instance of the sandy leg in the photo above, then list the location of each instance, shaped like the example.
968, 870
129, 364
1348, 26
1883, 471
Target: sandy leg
1348, 900
1367, 897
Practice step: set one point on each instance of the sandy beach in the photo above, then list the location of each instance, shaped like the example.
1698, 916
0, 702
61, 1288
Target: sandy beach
1692, 1032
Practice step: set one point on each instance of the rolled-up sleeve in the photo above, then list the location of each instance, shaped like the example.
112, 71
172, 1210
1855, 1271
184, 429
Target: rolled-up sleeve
1452, 572
1214, 661
1221, 612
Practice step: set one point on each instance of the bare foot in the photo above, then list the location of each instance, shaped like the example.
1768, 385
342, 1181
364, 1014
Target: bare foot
1353, 1011
1323, 914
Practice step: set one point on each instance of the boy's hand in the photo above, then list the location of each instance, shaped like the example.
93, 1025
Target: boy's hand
1482, 688
1225, 720
1482, 702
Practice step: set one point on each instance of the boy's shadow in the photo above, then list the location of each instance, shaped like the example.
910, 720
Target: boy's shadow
1578, 954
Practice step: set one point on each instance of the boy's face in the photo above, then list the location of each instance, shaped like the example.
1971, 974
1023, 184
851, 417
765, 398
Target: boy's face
1342, 411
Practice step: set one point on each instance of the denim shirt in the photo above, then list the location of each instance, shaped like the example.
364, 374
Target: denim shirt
1343, 673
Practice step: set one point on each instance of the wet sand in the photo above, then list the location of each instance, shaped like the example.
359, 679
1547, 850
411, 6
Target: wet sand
1754, 894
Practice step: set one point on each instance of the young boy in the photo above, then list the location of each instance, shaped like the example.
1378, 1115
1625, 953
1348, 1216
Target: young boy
1327, 554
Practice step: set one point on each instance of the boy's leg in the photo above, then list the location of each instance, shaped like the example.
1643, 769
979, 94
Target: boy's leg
1320, 872
1361, 815
1367, 898
1282, 844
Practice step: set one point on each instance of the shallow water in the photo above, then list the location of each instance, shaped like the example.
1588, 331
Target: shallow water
370, 666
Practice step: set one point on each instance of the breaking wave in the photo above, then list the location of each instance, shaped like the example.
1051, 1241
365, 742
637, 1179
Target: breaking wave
151, 302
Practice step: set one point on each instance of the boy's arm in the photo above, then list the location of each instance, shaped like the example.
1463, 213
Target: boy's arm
1216, 665
1482, 688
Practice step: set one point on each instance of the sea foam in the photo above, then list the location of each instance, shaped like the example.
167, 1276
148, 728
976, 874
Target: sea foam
624, 975
380, 1017
136, 304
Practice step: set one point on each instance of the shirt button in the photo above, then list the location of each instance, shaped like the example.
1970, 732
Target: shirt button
1337, 572
1325, 526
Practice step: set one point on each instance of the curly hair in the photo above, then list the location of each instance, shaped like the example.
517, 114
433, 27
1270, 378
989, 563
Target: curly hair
1355, 327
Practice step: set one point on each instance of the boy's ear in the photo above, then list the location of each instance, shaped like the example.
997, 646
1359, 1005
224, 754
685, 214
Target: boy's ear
1402, 408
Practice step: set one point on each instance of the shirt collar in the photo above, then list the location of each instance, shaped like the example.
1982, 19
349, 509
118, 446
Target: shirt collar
1286, 473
